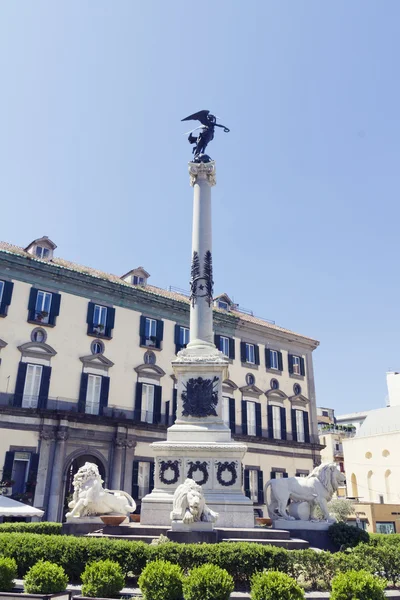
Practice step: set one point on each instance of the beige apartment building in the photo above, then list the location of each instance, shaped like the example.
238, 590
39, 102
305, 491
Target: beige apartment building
85, 374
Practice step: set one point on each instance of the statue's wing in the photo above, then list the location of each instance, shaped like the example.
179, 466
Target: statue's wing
199, 116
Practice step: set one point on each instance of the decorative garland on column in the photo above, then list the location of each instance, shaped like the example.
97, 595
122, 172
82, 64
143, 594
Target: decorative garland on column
169, 464
231, 468
198, 466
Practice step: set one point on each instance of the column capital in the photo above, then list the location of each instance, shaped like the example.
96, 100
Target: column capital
202, 170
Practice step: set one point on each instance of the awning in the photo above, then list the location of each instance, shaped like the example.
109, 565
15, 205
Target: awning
12, 508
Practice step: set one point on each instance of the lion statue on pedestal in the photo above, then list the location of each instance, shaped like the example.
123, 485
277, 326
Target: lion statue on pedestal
189, 505
91, 499
316, 489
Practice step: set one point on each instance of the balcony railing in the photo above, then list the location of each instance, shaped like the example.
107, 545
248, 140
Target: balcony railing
340, 430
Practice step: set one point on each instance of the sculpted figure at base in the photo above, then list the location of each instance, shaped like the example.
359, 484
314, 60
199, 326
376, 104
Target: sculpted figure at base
316, 489
189, 505
91, 499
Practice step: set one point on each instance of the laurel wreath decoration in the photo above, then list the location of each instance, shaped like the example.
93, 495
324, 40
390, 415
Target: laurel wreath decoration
226, 466
198, 466
169, 464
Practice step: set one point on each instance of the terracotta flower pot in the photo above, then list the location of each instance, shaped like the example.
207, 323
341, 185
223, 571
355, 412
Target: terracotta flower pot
135, 518
113, 520
263, 521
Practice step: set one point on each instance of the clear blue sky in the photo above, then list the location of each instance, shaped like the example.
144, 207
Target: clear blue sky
306, 210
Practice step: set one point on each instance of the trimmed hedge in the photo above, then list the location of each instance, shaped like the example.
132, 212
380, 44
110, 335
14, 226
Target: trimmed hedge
47, 527
347, 535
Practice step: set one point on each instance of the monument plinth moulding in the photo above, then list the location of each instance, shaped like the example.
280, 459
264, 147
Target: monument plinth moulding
199, 445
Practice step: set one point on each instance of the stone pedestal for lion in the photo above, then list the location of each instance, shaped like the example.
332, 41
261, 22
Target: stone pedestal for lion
199, 445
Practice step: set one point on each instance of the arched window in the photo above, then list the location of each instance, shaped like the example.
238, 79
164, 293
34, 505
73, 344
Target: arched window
354, 486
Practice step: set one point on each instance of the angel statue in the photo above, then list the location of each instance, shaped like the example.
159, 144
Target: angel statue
208, 125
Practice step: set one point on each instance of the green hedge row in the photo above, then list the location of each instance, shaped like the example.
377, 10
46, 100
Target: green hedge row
314, 570
47, 527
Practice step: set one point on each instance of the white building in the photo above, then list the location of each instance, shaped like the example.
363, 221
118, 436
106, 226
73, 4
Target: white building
85, 374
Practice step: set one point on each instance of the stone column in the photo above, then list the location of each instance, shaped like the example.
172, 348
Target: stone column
56, 491
202, 178
130, 451
47, 437
118, 460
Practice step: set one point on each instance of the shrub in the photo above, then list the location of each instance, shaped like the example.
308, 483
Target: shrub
8, 572
275, 586
314, 569
383, 559
357, 585
45, 578
48, 528
208, 582
161, 580
102, 579
347, 535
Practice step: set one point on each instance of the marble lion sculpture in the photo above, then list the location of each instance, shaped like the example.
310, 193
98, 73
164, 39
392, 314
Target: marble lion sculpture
91, 499
316, 489
189, 505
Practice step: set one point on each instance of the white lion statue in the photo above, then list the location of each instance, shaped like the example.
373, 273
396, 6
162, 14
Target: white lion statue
91, 499
189, 505
316, 489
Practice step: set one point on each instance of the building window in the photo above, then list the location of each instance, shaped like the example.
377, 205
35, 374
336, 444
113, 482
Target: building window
149, 358
381, 499
222, 304
301, 474
144, 479
136, 280
325, 413
300, 426
32, 386
250, 354
297, 389
92, 404
99, 319
224, 345
147, 413
250, 379
151, 332
20, 471
253, 481
184, 336
251, 418
296, 365
1, 290
225, 410
276, 422
97, 347
274, 384
42, 307
38, 335
42, 252
274, 359
385, 527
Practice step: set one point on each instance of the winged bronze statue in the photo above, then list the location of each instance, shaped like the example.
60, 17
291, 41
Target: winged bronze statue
206, 135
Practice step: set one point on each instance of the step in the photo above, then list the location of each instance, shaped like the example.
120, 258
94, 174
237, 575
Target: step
130, 538
136, 529
291, 544
261, 533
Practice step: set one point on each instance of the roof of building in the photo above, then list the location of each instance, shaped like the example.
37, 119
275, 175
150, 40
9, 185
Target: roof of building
150, 289
380, 420
352, 416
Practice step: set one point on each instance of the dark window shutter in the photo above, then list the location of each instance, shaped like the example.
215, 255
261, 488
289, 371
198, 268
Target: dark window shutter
135, 479
44, 387
283, 423
247, 483
167, 405
232, 415
256, 354
294, 428
151, 478
33, 471
83, 392
306, 427
217, 341
273, 475
267, 358
138, 402
6, 298
244, 417
280, 361
54, 308
104, 391
270, 422
243, 352
110, 321
178, 345
157, 404
20, 383
8, 465
89, 317
258, 420
159, 333
302, 366
285, 475
290, 363
142, 330
260, 485
174, 404
232, 348
32, 304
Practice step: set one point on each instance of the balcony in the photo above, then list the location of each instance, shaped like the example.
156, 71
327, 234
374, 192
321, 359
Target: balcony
342, 430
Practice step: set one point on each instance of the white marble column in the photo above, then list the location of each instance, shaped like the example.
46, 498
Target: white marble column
56, 486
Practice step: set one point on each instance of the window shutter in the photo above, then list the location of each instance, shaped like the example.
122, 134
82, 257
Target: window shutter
167, 405
89, 317
157, 404
258, 419
302, 366
44, 387
283, 423
267, 358
232, 348
243, 352
135, 479
8, 465
285, 475
247, 483
33, 471
217, 341
257, 354
294, 428
306, 427
142, 330
32, 304
280, 361
174, 404
82, 392
104, 391
159, 333
138, 402
110, 321
6, 298
244, 417
273, 475
20, 383
54, 308
290, 363
270, 421
151, 477
260, 485
232, 415
177, 338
